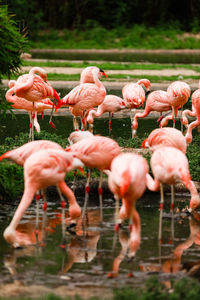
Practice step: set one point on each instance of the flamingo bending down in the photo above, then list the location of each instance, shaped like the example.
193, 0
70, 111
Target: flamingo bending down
79, 135
194, 113
84, 97
156, 101
41, 169
34, 87
95, 152
170, 165
110, 104
165, 136
21, 154
21, 103
134, 94
127, 180
179, 93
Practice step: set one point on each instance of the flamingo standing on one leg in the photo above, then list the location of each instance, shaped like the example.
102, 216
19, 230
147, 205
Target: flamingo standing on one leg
34, 88
21, 154
179, 93
194, 113
84, 97
95, 152
127, 180
111, 104
170, 165
42, 169
156, 101
134, 94
21, 103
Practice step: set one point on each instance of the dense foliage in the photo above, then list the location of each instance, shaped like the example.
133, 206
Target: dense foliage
72, 14
12, 44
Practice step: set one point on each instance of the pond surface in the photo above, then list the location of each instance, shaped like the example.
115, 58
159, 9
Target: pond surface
89, 252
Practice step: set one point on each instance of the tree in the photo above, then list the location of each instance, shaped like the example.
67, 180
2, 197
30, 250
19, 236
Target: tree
12, 42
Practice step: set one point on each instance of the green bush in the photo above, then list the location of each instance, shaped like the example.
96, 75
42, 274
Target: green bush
12, 44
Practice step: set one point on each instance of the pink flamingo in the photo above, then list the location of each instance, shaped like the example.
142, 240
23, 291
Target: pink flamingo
156, 101
194, 113
95, 152
42, 169
179, 93
79, 135
134, 94
87, 76
110, 104
34, 88
127, 180
21, 103
84, 96
21, 154
170, 165
165, 136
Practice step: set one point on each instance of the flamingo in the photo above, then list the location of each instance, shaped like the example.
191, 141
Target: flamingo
34, 88
21, 103
194, 113
127, 180
165, 136
84, 97
134, 94
170, 165
110, 104
95, 152
172, 137
77, 136
87, 76
41, 169
179, 93
21, 154
156, 101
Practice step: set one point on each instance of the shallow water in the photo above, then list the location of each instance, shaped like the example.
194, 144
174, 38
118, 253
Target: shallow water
89, 252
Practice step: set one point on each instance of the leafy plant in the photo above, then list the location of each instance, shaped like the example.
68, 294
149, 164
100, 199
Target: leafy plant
12, 44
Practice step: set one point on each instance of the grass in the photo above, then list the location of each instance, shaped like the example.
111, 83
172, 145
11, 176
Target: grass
138, 37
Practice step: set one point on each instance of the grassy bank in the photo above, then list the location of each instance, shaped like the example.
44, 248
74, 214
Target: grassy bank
137, 37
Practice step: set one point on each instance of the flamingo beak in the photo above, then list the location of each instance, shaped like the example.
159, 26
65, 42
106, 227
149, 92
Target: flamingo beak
104, 74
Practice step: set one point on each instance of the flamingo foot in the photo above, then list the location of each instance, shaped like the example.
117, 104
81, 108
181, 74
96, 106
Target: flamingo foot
112, 275
52, 124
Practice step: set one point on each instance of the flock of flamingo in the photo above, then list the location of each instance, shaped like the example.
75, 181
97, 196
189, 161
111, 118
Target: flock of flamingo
46, 163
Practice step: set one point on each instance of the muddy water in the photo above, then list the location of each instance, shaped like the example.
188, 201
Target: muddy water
90, 251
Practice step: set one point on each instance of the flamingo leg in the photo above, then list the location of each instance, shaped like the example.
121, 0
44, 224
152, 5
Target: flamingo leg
63, 206
87, 190
32, 122
172, 213
44, 219
51, 116
109, 123
75, 124
30, 126
100, 196
161, 212
37, 197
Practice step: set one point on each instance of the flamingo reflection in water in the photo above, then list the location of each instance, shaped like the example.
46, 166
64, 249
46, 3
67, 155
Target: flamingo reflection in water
173, 264
82, 247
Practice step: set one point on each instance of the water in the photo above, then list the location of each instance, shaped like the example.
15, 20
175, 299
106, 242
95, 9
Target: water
89, 254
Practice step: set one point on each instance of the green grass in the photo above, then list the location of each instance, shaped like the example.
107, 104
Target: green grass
138, 37
116, 77
110, 65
